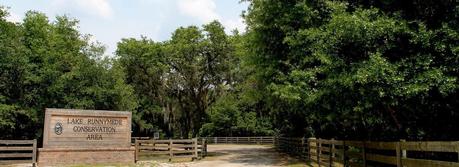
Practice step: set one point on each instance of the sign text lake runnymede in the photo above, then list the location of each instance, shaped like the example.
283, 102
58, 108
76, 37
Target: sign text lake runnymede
86, 128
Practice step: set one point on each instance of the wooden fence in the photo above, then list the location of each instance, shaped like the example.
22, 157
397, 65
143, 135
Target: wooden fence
297, 147
184, 148
18, 151
241, 140
133, 139
368, 153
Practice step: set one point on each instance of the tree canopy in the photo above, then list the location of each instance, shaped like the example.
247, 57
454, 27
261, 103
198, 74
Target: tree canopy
47, 64
347, 69
358, 69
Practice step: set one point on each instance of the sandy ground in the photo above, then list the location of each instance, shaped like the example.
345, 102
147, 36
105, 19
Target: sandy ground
236, 156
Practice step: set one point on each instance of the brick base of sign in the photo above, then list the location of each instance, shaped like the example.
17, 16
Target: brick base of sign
72, 156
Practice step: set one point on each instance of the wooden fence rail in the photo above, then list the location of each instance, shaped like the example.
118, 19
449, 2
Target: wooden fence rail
369, 153
18, 151
294, 146
182, 148
241, 140
133, 139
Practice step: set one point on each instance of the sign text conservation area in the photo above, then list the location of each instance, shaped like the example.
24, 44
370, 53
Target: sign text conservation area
91, 128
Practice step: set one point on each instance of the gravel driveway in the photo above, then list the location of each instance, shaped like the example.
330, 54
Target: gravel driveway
221, 155
236, 156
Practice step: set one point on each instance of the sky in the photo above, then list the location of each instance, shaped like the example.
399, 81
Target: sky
108, 21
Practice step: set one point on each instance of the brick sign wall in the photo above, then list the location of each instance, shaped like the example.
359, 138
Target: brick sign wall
66, 128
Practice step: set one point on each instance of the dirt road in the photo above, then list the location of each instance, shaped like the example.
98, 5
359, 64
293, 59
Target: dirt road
238, 156
221, 156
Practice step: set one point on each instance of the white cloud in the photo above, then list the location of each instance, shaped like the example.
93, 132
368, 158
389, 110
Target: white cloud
99, 8
13, 17
153, 1
204, 10
231, 25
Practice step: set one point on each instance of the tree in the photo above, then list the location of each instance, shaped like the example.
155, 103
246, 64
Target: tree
354, 69
143, 61
47, 64
198, 61
177, 80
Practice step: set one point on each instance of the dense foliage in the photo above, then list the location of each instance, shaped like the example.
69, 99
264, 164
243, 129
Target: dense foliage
177, 80
47, 64
358, 69
180, 83
348, 69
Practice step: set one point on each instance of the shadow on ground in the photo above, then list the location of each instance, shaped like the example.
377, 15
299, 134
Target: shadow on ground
251, 155
223, 155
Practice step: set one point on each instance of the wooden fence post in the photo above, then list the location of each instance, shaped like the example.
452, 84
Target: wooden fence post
331, 153
403, 152
195, 141
205, 147
136, 145
200, 142
398, 154
318, 151
34, 153
171, 154
309, 149
344, 153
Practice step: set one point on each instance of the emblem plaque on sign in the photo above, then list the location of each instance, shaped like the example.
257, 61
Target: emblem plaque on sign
58, 128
